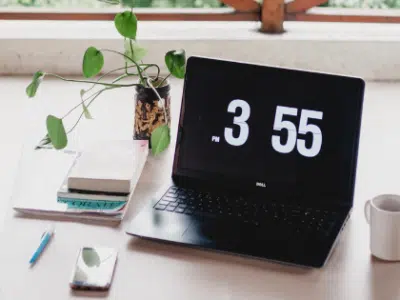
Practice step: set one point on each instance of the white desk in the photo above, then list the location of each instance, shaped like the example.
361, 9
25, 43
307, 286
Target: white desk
149, 270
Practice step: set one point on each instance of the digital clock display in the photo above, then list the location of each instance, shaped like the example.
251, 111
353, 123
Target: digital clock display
270, 126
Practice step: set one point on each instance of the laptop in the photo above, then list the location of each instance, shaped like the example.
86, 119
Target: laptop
264, 165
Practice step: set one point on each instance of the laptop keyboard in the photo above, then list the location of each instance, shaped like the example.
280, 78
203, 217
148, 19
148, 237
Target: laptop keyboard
300, 219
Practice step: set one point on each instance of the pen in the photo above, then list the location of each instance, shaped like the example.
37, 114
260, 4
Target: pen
45, 239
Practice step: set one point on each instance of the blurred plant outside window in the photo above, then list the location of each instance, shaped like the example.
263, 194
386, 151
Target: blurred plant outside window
103, 4
383, 4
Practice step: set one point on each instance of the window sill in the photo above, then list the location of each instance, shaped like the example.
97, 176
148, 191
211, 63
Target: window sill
366, 50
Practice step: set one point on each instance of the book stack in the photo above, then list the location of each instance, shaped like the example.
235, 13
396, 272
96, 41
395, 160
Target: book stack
97, 183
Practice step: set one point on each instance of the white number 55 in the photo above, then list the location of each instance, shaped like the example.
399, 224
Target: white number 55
304, 128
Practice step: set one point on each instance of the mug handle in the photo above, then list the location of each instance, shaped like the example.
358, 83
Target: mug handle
367, 210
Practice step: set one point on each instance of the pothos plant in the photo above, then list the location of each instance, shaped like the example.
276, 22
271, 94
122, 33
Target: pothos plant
133, 66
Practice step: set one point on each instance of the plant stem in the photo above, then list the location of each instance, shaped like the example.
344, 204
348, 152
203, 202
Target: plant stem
153, 65
126, 64
78, 105
130, 59
94, 82
76, 124
121, 77
159, 97
83, 101
162, 82
126, 68
97, 94
147, 66
138, 67
108, 73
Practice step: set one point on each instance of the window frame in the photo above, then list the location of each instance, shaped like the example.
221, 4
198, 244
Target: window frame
143, 14
331, 14
316, 14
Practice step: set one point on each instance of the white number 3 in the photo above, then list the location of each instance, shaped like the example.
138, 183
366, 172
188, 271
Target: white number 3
304, 128
239, 121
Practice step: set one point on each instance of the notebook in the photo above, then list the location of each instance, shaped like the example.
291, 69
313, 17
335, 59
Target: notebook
42, 173
108, 170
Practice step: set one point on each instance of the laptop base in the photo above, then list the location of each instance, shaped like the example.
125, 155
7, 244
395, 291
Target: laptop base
277, 243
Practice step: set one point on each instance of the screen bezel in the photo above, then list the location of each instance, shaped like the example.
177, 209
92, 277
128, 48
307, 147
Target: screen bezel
203, 179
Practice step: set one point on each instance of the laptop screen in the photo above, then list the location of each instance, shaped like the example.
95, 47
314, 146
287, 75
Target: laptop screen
269, 129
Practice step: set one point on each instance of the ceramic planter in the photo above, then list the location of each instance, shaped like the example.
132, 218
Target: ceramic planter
149, 112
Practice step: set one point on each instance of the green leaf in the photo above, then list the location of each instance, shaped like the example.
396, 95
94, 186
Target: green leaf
86, 111
136, 52
93, 62
34, 85
56, 132
84, 107
91, 257
128, 3
160, 139
126, 24
176, 63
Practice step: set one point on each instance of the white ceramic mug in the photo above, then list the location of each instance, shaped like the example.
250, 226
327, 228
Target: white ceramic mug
383, 215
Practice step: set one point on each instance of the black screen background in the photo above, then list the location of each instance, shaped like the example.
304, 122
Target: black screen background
211, 85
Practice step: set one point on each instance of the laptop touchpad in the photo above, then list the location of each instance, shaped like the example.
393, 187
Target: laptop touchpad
211, 231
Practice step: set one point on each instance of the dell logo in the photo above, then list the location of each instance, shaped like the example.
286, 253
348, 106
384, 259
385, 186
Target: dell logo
261, 184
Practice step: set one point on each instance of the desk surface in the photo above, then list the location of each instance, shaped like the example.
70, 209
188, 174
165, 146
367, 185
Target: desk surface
150, 270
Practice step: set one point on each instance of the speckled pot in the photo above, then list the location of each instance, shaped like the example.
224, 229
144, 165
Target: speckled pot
149, 111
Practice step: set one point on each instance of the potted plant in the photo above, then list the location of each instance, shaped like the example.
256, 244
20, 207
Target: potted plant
152, 100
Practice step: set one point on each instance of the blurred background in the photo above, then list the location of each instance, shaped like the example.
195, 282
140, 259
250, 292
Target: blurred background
384, 4
98, 4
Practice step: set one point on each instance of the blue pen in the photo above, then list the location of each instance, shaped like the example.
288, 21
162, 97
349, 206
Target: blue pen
46, 237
